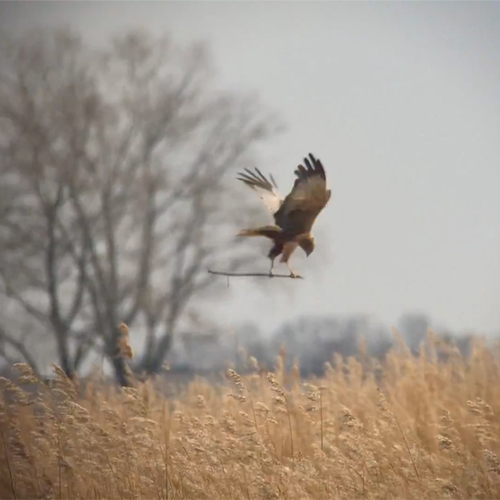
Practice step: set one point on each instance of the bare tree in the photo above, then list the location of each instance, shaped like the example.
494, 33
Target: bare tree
114, 167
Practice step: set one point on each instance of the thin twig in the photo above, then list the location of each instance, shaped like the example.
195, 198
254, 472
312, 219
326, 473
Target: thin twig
12, 484
407, 448
265, 275
321, 415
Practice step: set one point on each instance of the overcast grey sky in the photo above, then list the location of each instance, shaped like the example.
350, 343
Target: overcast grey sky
401, 102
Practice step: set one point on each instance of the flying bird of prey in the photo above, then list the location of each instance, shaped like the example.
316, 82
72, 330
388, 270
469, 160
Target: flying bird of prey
295, 214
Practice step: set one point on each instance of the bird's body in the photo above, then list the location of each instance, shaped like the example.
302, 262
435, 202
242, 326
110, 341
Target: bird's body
294, 215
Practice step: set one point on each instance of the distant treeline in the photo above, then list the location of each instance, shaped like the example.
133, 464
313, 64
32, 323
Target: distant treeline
311, 341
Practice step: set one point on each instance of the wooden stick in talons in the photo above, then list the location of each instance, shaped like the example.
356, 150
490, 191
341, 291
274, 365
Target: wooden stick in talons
264, 275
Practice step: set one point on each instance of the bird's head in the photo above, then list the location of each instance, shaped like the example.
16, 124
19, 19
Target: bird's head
306, 242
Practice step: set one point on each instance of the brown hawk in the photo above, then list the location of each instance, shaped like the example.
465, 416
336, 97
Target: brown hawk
295, 214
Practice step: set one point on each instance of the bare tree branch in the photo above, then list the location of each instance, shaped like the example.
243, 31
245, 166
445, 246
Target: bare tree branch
265, 275
19, 346
120, 161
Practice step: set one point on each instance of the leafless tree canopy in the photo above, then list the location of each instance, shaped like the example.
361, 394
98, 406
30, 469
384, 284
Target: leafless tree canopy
115, 196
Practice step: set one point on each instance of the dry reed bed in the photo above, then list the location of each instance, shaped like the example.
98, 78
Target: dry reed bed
420, 429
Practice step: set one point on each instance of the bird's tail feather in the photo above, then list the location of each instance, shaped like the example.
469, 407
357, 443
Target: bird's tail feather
267, 231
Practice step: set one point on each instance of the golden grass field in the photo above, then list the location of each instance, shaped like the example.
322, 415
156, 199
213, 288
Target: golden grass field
412, 427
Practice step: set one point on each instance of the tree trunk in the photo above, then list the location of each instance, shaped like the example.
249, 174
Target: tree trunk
122, 371
64, 356
153, 360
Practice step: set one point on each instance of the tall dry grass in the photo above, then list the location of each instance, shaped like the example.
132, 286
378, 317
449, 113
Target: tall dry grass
410, 428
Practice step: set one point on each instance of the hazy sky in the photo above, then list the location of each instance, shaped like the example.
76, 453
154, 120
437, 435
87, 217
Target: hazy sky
401, 102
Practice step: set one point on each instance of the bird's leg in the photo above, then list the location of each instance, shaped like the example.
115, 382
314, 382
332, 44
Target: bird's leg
272, 267
292, 274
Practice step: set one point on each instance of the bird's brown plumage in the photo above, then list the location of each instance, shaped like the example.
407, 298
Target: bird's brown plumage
295, 214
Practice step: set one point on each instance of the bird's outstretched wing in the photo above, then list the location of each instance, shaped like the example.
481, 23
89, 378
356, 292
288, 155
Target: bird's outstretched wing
308, 197
267, 190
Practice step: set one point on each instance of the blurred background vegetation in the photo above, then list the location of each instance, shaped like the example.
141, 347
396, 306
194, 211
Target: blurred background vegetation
116, 197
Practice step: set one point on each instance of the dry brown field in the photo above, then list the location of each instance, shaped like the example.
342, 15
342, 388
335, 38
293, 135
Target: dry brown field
419, 427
